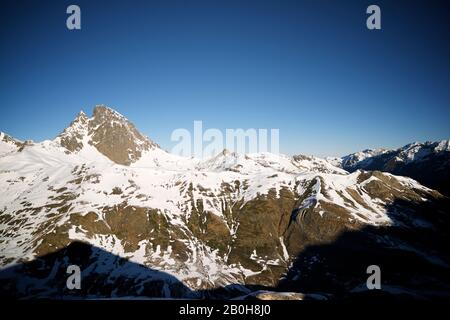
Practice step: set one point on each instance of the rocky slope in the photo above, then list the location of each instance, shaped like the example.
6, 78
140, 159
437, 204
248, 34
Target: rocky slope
144, 223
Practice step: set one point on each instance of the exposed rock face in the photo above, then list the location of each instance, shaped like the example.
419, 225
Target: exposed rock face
428, 163
273, 295
109, 132
115, 137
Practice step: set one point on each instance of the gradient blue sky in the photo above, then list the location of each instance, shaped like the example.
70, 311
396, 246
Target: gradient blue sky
309, 68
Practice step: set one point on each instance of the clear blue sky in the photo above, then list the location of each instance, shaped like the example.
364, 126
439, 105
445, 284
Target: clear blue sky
309, 68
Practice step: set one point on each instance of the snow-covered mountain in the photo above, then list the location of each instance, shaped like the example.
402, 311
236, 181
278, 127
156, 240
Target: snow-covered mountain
428, 162
230, 221
9, 144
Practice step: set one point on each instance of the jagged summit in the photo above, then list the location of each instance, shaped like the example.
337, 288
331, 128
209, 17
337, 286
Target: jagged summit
82, 114
9, 144
109, 132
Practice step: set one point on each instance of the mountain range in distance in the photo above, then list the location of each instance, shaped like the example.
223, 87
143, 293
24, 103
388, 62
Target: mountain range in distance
142, 222
428, 163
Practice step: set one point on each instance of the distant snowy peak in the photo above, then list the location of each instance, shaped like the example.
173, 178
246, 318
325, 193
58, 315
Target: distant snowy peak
266, 162
357, 157
9, 144
428, 163
109, 132
415, 151
313, 164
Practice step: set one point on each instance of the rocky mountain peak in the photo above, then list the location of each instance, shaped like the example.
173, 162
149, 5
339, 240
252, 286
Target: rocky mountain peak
6, 138
225, 152
72, 136
427, 162
109, 132
81, 117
